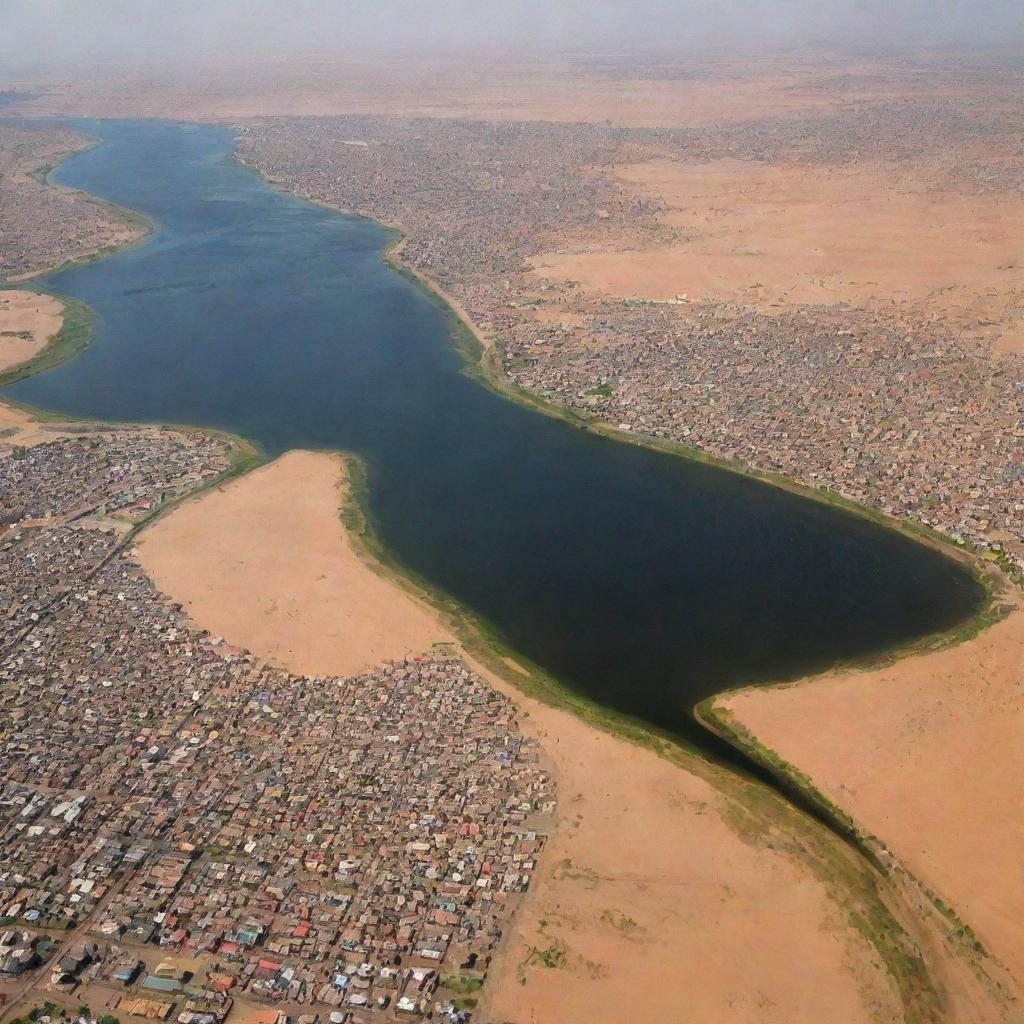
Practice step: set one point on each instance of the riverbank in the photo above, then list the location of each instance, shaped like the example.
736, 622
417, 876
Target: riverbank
57, 329
342, 620
483, 362
735, 955
652, 872
919, 774
46, 226
28, 321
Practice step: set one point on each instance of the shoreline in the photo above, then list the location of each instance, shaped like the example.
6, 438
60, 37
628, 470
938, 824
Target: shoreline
889, 780
791, 779
486, 650
75, 334
482, 362
815, 865
143, 226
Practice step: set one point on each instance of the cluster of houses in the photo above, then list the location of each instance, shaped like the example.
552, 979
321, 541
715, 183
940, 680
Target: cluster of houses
897, 409
20, 951
51, 539
317, 844
888, 410
44, 227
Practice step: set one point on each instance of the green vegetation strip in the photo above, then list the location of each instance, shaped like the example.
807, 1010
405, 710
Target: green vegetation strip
75, 333
793, 781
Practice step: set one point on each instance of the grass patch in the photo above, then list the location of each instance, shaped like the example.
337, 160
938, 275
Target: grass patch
619, 921
552, 957
462, 984
77, 330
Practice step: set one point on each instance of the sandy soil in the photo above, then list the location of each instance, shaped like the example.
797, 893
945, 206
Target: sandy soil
777, 235
929, 758
664, 913
264, 561
656, 900
491, 89
19, 427
28, 321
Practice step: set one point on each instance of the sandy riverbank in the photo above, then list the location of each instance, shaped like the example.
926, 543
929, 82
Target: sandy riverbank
926, 754
661, 890
263, 561
28, 320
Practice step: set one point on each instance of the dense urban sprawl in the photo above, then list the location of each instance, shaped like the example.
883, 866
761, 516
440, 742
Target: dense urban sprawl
42, 227
892, 407
326, 846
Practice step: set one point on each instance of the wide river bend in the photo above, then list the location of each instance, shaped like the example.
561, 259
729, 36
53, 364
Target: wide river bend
642, 580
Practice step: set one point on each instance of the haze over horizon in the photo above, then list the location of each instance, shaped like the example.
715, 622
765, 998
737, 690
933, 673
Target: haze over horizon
65, 35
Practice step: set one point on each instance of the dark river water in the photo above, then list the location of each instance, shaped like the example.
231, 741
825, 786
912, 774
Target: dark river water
644, 581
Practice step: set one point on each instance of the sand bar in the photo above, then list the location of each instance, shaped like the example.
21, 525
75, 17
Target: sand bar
264, 562
28, 321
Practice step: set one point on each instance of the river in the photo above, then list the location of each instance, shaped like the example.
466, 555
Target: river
641, 580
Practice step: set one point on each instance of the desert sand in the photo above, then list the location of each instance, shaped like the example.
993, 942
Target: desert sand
674, 92
660, 910
496, 88
663, 892
28, 321
264, 562
927, 754
771, 235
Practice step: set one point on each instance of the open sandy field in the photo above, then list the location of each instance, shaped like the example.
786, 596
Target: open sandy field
490, 89
264, 561
771, 235
658, 909
675, 92
927, 754
28, 321
661, 889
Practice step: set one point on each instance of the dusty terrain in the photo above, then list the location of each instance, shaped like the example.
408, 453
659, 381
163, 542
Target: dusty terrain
665, 92
660, 887
676, 93
28, 321
655, 907
768, 235
926, 754
241, 560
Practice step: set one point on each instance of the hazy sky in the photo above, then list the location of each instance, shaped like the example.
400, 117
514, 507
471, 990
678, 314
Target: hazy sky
51, 32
